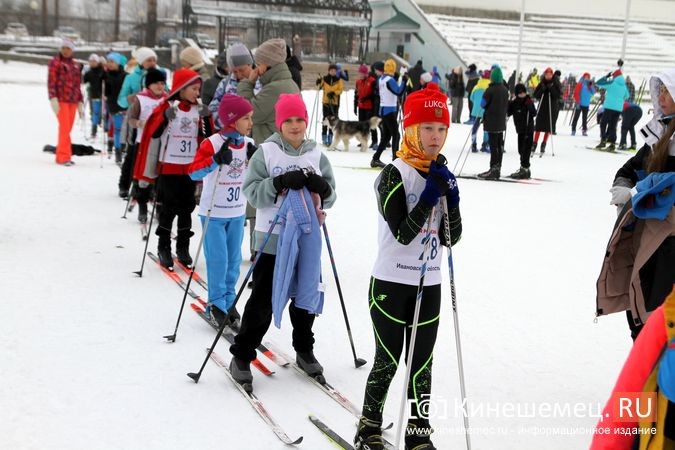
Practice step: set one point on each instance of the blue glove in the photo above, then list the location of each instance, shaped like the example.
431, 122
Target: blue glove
438, 184
452, 196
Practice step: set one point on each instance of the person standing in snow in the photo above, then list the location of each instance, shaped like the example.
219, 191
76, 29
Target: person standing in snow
142, 106
221, 161
631, 90
94, 78
456, 93
616, 93
285, 161
332, 87
275, 79
168, 146
495, 101
478, 111
414, 74
364, 100
654, 278
548, 93
472, 78
521, 107
65, 97
408, 193
390, 91
630, 116
583, 92
113, 83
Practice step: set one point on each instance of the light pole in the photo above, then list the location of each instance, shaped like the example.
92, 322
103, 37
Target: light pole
520, 38
34, 7
625, 30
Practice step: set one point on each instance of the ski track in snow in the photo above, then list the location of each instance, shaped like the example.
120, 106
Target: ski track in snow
83, 363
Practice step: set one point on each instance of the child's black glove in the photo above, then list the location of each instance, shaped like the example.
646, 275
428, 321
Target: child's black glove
250, 150
294, 179
224, 155
316, 183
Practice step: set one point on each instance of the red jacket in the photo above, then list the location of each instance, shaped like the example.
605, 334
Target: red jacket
365, 92
64, 79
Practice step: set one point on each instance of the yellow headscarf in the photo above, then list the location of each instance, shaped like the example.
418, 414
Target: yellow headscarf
412, 151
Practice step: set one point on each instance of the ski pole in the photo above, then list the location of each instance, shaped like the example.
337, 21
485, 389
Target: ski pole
462, 151
196, 376
479, 119
550, 123
172, 337
413, 332
460, 363
126, 207
358, 362
154, 204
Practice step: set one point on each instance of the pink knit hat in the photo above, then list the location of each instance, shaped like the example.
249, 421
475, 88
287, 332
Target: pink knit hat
289, 105
363, 69
232, 108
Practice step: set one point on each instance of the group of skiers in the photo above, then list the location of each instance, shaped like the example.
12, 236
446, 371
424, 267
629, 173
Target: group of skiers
248, 145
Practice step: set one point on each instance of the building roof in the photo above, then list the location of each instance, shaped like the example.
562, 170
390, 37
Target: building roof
284, 16
399, 23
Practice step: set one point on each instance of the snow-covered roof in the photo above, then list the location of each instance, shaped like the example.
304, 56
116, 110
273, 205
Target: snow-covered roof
284, 16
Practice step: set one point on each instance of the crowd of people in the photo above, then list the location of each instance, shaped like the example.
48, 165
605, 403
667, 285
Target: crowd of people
234, 144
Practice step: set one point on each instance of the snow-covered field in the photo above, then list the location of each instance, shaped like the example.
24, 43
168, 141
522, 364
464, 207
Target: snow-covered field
83, 364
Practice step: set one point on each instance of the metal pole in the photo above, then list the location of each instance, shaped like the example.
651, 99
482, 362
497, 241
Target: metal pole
625, 30
520, 37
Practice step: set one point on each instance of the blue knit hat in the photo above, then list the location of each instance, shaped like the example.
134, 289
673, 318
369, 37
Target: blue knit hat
120, 59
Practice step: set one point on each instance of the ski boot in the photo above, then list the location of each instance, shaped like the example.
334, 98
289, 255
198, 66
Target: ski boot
329, 138
183, 255
118, 157
601, 145
241, 372
492, 174
94, 128
374, 146
474, 148
418, 436
574, 133
377, 163
110, 148
485, 147
368, 435
632, 148
533, 150
143, 212
324, 139
164, 255
621, 147
610, 148
310, 365
123, 193
521, 174
542, 149
584, 133
234, 320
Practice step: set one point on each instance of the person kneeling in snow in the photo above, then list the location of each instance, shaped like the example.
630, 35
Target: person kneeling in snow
285, 161
223, 204
408, 192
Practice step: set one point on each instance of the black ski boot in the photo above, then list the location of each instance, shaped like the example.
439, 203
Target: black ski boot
521, 174
601, 145
123, 193
183, 255
368, 435
474, 148
164, 254
216, 316
234, 321
143, 212
94, 128
621, 147
110, 148
241, 372
376, 163
418, 436
542, 149
533, 150
610, 147
118, 156
492, 174
310, 365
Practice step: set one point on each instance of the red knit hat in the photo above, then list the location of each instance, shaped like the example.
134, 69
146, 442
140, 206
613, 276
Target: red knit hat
289, 105
586, 75
548, 70
183, 78
426, 105
232, 108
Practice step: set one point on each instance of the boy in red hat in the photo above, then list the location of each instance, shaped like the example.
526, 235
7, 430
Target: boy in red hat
168, 146
286, 160
409, 194
223, 202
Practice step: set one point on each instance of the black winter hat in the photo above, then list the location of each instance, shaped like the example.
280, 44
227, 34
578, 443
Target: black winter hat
472, 67
154, 76
378, 65
520, 87
332, 66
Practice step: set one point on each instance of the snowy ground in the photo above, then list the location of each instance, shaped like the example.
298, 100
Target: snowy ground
83, 364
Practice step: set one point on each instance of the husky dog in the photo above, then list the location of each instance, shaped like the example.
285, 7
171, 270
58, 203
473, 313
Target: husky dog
344, 130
